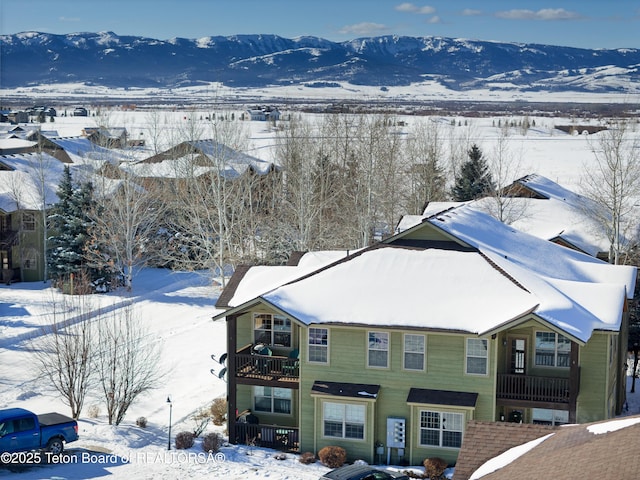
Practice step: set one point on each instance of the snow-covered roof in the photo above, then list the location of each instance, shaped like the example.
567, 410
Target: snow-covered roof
81, 149
561, 214
222, 160
492, 276
21, 187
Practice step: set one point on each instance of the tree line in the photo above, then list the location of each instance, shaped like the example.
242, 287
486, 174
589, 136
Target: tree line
339, 182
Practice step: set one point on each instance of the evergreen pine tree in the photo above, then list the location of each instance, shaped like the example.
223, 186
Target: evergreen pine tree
474, 179
69, 224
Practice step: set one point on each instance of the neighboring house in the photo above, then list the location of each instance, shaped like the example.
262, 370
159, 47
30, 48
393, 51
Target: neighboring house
502, 451
79, 150
28, 184
538, 206
107, 137
457, 318
208, 159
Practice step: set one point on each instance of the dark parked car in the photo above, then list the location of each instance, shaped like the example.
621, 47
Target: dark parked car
361, 472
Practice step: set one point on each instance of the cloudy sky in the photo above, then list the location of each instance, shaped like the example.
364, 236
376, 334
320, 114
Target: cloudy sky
577, 23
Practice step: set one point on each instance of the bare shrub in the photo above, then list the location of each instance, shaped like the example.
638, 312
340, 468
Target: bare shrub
332, 456
434, 467
307, 458
141, 422
219, 411
201, 420
93, 411
212, 442
184, 440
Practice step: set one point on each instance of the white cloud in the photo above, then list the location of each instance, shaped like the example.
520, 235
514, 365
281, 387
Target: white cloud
411, 8
470, 12
543, 14
69, 19
435, 19
364, 28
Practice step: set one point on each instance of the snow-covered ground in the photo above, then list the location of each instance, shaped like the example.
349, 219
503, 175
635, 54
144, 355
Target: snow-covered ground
177, 309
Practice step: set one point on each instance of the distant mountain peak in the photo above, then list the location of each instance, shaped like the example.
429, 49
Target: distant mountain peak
259, 60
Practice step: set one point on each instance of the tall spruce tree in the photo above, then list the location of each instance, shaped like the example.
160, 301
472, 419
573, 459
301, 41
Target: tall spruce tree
69, 224
474, 180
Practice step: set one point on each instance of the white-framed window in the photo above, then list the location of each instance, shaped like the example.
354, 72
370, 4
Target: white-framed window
441, 429
544, 416
477, 356
28, 222
271, 329
318, 345
343, 420
272, 399
378, 349
552, 350
414, 351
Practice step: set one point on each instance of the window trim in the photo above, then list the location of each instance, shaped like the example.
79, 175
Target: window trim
555, 350
467, 356
440, 412
344, 421
424, 352
388, 350
309, 345
272, 330
272, 397
28, 225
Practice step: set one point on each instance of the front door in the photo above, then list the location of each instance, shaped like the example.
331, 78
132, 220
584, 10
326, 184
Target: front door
518, 355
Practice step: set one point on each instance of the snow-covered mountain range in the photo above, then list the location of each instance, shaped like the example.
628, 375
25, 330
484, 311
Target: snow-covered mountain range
107, 59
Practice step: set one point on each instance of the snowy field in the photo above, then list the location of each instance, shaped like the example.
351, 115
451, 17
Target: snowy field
177, 309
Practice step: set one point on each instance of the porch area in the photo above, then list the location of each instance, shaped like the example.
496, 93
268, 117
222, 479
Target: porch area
267, 436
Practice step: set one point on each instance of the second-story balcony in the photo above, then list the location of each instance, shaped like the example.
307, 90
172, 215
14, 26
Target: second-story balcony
266, 368
536, 389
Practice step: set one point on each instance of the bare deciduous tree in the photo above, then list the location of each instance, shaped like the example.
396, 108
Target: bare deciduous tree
613, 183
64, 351
505, 165
126, 361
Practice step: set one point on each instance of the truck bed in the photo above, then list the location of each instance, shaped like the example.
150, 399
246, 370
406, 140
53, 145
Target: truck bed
48, 419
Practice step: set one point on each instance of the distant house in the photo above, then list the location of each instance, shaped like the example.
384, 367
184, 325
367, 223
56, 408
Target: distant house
80, 112
457, 318
107, 137
262, 114
18, 116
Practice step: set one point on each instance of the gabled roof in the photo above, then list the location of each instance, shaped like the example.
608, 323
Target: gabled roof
501, 276
215, 158
81, 149
540, 207
578, 293
595, 450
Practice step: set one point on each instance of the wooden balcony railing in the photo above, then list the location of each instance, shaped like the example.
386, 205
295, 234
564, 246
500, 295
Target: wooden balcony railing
534, 389
268, 436
266, 367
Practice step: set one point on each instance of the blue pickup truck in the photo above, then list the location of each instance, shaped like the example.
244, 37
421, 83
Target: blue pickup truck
22, 430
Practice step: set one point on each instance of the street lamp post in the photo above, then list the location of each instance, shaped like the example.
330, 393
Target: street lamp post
170, 408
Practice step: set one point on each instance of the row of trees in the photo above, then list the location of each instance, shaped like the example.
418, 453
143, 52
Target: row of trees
340, 182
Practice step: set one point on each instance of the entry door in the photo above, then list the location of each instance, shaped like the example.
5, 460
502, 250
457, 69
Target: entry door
518, 356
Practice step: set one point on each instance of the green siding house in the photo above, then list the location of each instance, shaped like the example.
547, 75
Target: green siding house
391, 350
28, 184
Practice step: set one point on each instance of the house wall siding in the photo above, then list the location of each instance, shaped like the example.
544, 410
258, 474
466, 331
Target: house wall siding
594, 367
